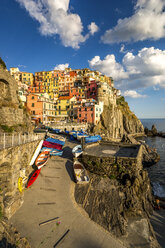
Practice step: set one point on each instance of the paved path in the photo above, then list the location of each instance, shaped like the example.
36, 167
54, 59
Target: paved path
84, 233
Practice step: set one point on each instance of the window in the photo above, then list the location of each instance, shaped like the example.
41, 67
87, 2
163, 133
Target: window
59, 112
33, 112
91, 109
79, 115
96, 109
96, 115
85, 109
32, 104
91, 115
79, 109
59, 107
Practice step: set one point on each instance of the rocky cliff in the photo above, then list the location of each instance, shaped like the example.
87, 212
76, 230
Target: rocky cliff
12, 114
117, 120
119, 197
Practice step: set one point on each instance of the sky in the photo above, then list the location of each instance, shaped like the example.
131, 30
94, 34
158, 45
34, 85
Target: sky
121, 39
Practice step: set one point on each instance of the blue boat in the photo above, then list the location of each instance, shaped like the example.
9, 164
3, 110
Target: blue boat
52, 151
91, 139
81, 134
57, 141
55, 130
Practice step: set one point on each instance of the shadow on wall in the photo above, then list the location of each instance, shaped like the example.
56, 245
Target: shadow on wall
4, 244
69, 168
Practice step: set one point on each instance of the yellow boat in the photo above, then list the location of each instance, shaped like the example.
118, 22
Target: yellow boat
20, 184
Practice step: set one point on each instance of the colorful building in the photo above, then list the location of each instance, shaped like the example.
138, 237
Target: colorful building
92, 90
85, 113
41, 108
63, 106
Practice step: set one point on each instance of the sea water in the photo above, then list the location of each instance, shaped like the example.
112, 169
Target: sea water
157, 171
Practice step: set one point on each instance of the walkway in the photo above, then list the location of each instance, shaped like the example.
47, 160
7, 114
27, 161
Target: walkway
55, 185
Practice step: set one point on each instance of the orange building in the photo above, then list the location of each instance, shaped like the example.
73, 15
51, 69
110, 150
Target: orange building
41, 108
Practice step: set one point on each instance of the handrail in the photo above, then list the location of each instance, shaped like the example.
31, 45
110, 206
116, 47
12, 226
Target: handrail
10, 140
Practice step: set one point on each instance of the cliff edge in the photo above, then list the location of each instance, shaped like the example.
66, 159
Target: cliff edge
117, 119
13, 116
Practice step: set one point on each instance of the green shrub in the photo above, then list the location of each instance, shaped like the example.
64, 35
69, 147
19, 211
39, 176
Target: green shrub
7, 129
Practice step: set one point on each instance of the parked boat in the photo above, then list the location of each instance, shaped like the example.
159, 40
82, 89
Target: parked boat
77, 151
33, 178
42, 159
52, 145
55, 130
52, 151
80, 135
56, 153
56, 141
91, 139
80, 173
55, 136
37, 151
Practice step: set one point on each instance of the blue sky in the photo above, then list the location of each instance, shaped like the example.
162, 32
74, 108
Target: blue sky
122, 39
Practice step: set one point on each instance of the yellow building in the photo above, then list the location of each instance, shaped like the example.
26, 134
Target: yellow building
27, 78
63, 106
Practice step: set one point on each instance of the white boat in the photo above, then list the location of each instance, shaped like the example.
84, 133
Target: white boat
37, 151
56, 136
80, 173
77, 151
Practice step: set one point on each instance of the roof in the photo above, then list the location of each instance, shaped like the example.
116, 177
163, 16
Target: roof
65, 97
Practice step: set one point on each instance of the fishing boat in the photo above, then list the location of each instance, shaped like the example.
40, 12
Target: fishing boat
52, 151
42, 159
36, 152
55, 130
56, 141
33, 178
56, 153
77, 151
52, 145
91, 139
55, 136
80, 135
80, 173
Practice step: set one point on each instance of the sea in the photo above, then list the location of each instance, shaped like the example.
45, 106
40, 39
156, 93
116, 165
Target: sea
157, 171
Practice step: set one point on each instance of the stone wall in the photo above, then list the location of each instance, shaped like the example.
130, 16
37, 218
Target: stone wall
11, 116
113, 166
12, 162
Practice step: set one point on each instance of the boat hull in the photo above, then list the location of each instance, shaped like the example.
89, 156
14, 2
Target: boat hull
37, 151
42, 159
33, 178
52, 145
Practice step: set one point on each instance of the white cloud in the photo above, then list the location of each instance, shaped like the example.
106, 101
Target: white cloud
93, 28
133, 94
55, 19
143, 70
61, 67
108, 66
147, 22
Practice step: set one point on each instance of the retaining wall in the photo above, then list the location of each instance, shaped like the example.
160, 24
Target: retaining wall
12, 162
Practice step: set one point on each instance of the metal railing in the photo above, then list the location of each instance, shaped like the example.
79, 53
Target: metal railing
9, 140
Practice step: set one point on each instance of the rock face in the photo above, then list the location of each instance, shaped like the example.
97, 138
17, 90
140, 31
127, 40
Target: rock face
119, 198
9, 237
11, 110
117, 120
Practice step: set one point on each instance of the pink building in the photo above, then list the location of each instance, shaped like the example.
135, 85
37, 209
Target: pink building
86, 113
92, 90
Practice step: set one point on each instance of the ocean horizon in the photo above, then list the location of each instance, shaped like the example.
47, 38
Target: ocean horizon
158, 122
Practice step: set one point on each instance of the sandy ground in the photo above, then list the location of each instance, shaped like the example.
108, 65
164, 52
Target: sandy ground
158, 223
51, 196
